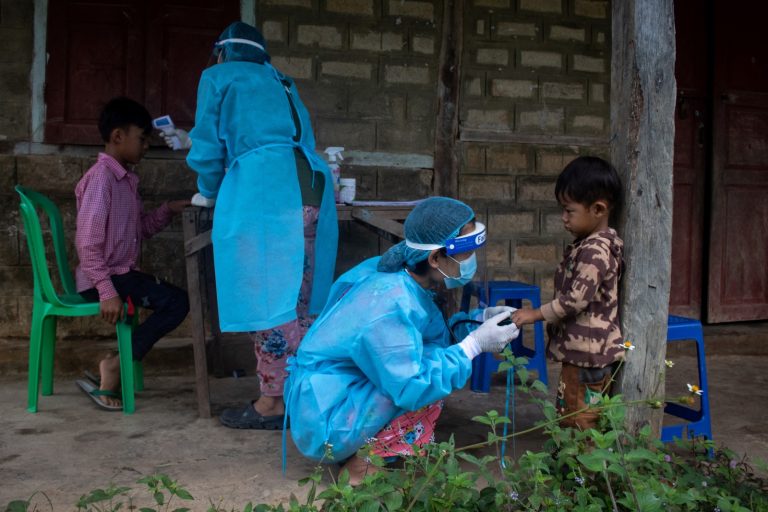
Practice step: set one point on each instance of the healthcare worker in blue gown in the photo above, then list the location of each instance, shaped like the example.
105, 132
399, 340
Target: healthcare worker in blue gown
275, 230
376, 364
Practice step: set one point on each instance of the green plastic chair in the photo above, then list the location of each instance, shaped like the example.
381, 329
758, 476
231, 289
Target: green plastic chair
48, 305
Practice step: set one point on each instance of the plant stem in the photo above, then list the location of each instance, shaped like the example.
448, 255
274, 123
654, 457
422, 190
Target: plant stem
548, 423
620, 447
610, 490
424, 485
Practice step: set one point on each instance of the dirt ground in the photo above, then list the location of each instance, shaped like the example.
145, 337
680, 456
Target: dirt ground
70, 447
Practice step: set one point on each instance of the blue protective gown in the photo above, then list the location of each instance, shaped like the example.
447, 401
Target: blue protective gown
382, 349
244, 123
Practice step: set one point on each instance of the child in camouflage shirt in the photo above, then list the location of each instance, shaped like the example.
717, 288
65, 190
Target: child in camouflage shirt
583, 319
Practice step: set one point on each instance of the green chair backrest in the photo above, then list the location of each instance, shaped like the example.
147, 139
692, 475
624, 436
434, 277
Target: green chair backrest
31, 201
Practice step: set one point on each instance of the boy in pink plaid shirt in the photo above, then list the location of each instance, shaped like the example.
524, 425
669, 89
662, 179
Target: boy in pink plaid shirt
111, 223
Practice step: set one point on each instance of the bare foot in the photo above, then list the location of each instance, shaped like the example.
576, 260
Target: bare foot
269, 405
358, 468
109, 370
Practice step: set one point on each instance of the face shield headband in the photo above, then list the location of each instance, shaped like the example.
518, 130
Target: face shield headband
219, 45
456, 245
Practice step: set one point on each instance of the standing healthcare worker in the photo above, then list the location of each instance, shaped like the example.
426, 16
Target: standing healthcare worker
275, 231
377, 363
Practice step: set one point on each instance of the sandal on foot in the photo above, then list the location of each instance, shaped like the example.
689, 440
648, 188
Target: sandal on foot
247, 417
92, 377
94, 393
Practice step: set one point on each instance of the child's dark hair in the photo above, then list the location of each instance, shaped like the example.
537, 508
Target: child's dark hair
588, 179
123, 112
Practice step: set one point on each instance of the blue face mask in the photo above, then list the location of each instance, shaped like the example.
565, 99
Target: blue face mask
467, 269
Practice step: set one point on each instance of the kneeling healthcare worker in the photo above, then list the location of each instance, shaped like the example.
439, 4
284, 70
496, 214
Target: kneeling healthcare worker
377, 363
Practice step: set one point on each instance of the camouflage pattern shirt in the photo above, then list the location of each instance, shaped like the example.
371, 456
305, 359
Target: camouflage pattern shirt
583, 320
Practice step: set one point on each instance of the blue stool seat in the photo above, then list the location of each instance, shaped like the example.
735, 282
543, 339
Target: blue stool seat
512, 293
699, 421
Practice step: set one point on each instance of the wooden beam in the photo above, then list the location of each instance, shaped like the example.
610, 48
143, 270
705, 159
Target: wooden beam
196, 313
643, 93
476, 135
446, 178
388, 229
197, 243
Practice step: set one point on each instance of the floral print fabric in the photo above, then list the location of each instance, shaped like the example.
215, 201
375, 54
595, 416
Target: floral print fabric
274, 346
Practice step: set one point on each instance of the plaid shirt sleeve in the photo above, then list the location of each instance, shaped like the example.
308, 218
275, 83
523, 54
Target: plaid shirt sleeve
153, 222
91, 237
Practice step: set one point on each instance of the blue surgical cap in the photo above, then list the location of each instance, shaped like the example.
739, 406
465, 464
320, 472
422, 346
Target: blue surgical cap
238, 42
432, 221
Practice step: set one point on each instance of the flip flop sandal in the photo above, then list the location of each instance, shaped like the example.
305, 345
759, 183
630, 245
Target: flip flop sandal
247, 417
94, 393
91, 377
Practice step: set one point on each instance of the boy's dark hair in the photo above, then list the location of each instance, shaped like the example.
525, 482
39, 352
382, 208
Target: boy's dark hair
588, 179
122, 112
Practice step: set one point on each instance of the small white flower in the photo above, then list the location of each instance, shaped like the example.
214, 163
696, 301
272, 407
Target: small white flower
669, 363
704, 483
628, 345
579, 480
513, 495
693, 388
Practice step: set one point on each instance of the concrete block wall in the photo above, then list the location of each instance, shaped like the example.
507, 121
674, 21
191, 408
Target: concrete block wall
534, 94
56, 177
366, 70
532, 70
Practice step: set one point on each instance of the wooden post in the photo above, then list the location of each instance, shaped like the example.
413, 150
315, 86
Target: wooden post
192, 256
446, 178
642, 125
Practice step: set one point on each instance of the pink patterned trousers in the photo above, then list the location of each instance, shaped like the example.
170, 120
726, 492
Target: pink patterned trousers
274, 346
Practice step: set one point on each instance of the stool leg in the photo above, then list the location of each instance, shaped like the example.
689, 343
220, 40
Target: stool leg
540, 356
126, 367
35, 349
705, 424
481, 373
138, 375
48, 351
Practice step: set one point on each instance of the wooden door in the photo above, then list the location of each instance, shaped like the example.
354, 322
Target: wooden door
180, 37
691, 120
96, 52
738, 255
150, 50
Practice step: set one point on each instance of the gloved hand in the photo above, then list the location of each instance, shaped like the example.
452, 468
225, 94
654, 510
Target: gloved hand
490, 336
492, 311
200, 200
183, 136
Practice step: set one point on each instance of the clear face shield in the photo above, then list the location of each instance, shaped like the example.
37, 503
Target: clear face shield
219, 48
468, 251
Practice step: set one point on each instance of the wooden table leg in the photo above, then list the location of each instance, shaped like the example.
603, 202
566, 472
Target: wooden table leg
189, 222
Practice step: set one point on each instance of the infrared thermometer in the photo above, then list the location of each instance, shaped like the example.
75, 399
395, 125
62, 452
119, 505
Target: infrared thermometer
165, 125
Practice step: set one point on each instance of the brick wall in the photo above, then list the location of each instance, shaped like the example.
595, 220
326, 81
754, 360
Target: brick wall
56, 177
534, 94
366, 69
532, 71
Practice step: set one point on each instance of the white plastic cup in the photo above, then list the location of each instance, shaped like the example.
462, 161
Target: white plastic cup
347, 190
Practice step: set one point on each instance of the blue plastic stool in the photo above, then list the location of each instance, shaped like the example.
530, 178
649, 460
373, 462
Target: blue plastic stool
512, 293
687, 329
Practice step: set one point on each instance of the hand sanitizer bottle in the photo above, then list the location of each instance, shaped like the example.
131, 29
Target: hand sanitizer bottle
334, 156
